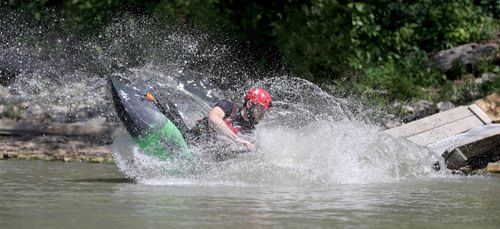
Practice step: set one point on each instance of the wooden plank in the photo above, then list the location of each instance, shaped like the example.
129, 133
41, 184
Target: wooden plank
457, 157
490, 105
480, 114
444, 131
431, 122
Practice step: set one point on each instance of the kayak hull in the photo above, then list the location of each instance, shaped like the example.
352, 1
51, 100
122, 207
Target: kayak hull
154, 133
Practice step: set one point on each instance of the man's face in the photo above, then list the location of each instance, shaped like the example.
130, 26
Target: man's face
258, 111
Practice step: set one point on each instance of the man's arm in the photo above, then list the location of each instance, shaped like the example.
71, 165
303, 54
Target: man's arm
216, 119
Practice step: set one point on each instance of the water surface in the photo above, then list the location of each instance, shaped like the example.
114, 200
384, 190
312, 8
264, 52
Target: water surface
64, 195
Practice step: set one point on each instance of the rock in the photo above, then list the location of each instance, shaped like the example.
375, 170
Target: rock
392, 124
390, 116
493, 167
390, 121
408, 109
444, 106
461, 94
423, 105
420, 109
485, 77
466, 54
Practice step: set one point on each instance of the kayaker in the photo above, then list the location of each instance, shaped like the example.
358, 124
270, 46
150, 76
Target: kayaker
232, 120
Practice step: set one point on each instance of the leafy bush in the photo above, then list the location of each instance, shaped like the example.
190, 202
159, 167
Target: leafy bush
329, 35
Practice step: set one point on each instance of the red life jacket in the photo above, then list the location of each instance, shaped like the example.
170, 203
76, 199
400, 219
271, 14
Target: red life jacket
229, 120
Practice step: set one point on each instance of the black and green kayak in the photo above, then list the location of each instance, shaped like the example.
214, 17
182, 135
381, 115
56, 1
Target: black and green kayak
148, 122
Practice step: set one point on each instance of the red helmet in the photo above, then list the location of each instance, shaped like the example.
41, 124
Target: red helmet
259, 96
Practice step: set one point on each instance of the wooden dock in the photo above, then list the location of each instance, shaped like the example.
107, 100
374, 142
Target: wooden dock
459, 134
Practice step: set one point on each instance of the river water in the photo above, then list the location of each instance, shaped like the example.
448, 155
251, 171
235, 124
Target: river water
39, 194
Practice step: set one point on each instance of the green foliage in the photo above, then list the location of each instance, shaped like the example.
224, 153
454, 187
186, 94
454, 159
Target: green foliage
494, 84
489, 87
490, 7
200, 12
404, 79
82, 15
328, 35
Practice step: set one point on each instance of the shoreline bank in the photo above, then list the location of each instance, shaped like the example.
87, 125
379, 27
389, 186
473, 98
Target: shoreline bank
54, 148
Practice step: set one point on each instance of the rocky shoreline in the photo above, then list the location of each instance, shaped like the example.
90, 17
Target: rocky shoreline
87, 141
54, 148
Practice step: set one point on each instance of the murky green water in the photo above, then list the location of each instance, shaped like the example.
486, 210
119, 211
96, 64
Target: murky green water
66, 195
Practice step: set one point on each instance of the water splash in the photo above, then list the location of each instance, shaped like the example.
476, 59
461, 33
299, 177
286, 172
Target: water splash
332, 152
320, 153
51, 70
310, 138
